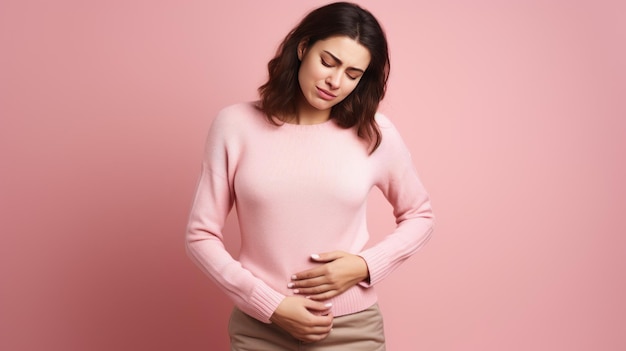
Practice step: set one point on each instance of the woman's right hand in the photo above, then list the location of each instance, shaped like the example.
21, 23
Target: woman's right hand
305, 319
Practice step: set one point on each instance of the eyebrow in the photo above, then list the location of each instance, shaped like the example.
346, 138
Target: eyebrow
341, 62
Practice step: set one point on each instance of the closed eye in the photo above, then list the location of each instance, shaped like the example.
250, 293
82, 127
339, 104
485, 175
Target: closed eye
354, 74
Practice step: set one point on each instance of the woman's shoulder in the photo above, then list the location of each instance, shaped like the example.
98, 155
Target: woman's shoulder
237, 117
392, 140
385, 124
239, 112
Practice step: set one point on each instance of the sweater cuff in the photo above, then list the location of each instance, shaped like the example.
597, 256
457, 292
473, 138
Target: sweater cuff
264, 301
376, 260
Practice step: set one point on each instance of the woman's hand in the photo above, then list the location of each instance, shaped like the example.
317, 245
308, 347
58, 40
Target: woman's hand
305, 319
339, 272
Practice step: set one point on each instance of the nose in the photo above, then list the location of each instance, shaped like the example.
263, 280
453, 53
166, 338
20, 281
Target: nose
333, 80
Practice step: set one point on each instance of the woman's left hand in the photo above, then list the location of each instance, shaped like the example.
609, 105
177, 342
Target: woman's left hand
339, 272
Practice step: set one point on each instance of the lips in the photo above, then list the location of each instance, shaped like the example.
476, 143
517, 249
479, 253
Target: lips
324, 94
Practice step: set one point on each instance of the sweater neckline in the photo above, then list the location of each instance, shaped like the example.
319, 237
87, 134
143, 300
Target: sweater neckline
329, 123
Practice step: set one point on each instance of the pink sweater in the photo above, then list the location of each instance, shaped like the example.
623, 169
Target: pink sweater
299, 190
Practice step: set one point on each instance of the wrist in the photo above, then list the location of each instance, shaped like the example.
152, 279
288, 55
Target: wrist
365, 277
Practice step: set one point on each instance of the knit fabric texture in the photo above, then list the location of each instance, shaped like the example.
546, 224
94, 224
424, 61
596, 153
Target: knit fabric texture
300, 190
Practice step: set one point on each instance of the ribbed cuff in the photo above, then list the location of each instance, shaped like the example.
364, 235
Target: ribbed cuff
376, 262
264, 302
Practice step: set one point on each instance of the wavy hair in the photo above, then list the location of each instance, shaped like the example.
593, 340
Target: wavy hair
278, 96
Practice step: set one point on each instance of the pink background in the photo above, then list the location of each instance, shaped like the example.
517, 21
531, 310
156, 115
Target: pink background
515, 112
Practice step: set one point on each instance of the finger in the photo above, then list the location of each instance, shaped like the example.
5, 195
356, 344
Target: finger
321, 324
308, 283
315, 334
316, 290
327, 256
310, 273
312, 305
321, 311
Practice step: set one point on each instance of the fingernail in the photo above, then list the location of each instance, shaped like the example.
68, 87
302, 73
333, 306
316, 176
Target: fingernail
291, 285
294, 277
328, 305
315, 256
296, 291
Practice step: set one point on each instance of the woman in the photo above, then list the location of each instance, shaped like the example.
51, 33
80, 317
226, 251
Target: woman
299, 165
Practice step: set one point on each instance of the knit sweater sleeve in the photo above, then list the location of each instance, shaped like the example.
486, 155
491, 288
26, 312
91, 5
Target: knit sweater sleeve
401, 186
204, 237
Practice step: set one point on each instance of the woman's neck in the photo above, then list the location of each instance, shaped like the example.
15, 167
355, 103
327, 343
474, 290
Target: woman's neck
307, 114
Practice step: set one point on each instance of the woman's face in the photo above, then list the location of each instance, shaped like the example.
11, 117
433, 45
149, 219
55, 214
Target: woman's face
330, 70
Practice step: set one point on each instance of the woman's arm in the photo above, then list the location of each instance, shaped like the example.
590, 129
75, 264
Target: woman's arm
401, 186
204, 238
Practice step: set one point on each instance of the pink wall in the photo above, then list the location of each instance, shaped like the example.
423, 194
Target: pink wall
515, 112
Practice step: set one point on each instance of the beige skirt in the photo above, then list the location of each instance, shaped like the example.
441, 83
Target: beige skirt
361, 331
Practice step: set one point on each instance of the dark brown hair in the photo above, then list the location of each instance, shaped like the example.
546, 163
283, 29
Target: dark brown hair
279, 93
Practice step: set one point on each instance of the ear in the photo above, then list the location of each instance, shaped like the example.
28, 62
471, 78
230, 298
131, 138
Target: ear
302, 46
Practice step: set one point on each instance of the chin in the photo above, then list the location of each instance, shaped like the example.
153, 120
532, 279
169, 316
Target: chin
321, 105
